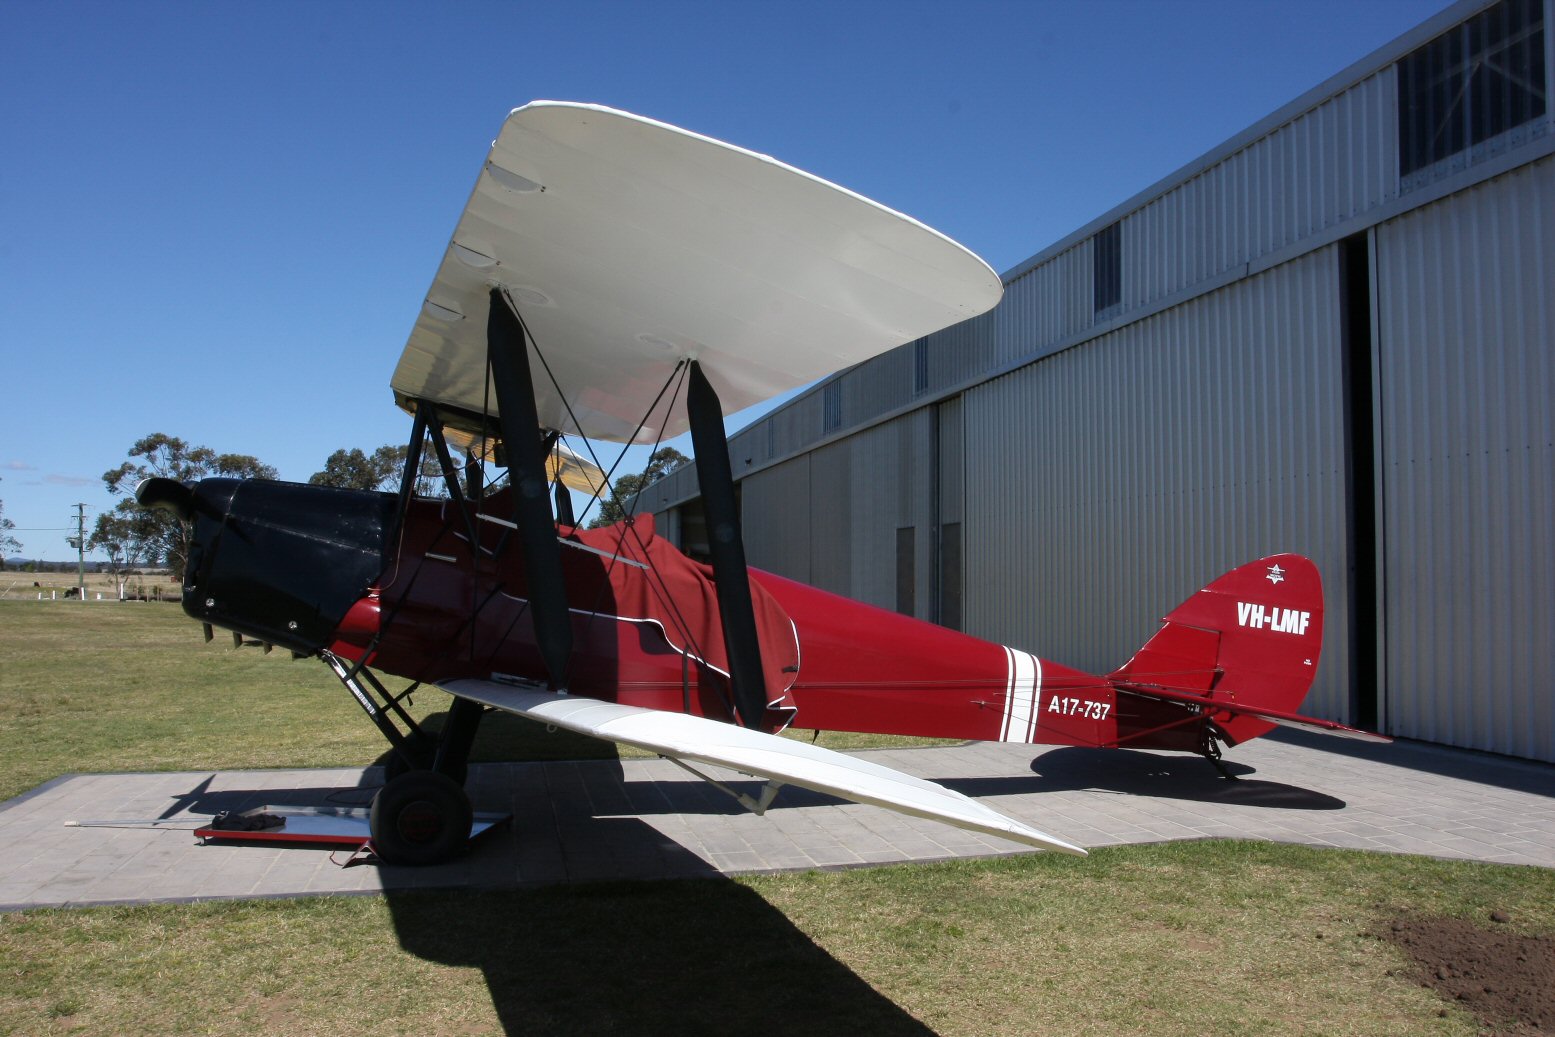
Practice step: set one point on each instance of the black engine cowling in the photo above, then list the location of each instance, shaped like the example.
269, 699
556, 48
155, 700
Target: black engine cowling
282, 562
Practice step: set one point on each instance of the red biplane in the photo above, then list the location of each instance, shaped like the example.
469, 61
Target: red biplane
614, 278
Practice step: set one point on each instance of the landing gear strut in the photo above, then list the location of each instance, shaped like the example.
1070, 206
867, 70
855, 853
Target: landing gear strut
422, 815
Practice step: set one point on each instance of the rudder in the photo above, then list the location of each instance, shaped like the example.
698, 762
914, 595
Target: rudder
1252, 637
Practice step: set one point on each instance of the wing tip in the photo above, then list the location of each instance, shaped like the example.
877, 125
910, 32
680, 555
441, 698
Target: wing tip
1042, 841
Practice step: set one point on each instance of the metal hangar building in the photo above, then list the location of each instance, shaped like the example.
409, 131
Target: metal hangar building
1334, 334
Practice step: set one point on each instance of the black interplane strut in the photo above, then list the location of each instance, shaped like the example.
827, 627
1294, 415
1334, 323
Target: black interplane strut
730, 574
564, 513
418, 435
508, 353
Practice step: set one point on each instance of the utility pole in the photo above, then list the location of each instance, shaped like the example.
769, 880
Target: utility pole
80, 546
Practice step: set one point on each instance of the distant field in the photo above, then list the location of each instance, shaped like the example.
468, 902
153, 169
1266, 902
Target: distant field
24, 586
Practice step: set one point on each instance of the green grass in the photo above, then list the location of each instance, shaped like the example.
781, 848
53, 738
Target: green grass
1193, 938
132, 686
1189, 938
110, 686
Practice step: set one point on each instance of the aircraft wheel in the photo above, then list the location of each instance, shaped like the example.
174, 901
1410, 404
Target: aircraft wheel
420, 818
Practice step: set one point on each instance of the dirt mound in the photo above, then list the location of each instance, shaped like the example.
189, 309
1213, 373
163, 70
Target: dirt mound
1505, 978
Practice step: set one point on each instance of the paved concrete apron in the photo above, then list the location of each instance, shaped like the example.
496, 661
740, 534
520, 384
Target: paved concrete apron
649, 819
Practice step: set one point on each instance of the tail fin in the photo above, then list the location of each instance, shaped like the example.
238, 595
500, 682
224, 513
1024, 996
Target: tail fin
1250, 641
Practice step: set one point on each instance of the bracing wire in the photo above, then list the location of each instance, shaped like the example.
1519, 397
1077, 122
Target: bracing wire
676, 379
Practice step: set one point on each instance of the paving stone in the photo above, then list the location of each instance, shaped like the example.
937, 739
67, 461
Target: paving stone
583, 820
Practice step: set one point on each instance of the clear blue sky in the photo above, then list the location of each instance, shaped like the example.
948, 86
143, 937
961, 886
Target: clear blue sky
219, 220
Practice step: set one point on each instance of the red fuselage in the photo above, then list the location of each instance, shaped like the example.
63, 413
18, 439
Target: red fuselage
645, 633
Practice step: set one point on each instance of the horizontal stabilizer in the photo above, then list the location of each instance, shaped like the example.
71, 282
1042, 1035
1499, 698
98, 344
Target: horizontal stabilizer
1219, 703
683, 737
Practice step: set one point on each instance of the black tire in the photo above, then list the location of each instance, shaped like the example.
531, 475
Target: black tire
420, 818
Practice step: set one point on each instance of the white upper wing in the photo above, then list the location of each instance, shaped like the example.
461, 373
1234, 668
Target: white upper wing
684, 737
628, 245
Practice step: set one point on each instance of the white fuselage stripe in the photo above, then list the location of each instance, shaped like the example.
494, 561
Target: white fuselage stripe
1009, 699
1021, 696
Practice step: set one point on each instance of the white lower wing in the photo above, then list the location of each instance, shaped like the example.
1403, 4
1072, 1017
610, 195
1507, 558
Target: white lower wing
680, 736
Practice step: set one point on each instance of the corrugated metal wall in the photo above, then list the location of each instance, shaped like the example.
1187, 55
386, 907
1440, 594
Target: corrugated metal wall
1465, 336
877, 386
676, 487
830, 517
776, 515
952, 460
1332, 163
961, 352
1115, 479
1045, 306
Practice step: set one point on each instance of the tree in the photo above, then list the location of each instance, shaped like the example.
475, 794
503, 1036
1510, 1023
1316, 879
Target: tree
623, 493
8, 543
125, 534
153, 534
354, 470
380, 470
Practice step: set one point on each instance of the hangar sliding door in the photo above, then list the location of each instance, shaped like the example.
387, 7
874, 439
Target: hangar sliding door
1467, 380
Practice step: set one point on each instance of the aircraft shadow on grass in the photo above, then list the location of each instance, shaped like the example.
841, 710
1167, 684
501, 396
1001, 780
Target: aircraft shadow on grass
694, 954
689, 956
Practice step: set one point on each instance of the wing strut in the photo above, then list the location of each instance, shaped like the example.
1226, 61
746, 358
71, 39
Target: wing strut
564, 513
508, 353
730, 575
418, 435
